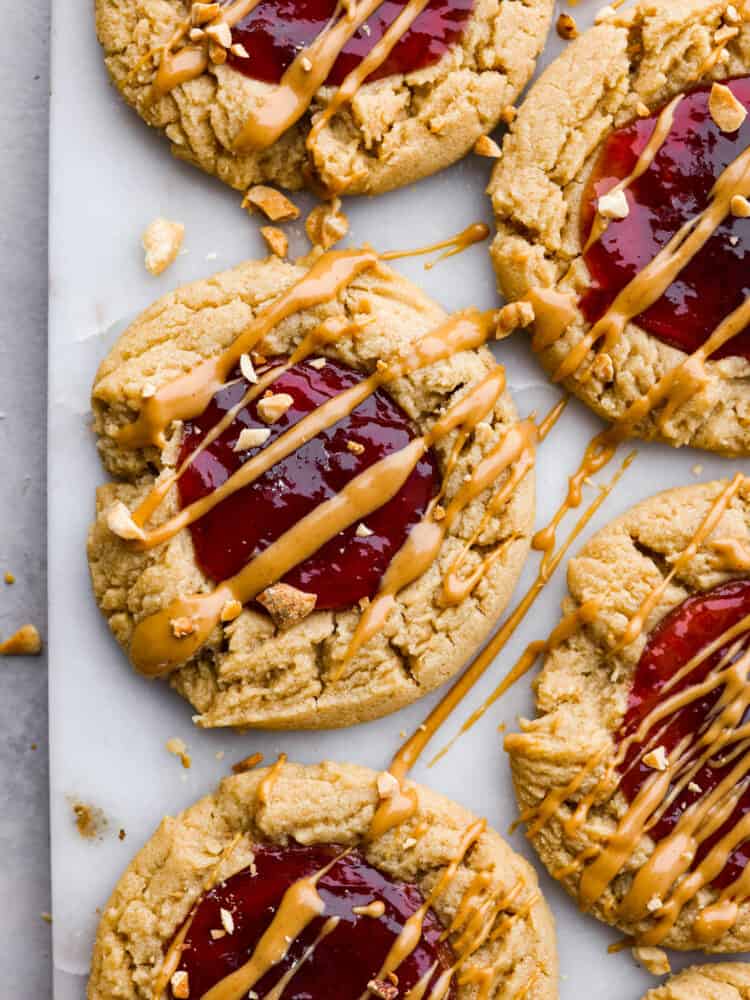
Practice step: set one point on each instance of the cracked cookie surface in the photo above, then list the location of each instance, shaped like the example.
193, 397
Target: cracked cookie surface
249, 673
394, 131
635, 61
567, 776
326, 803
725, 981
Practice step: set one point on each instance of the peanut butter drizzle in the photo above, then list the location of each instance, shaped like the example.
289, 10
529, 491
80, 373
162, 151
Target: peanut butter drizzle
662, 128
308, 72
269, 780
328, 928
461, 331
653, 280
299, 906
371, 62
477, 232
188, 395
666, 876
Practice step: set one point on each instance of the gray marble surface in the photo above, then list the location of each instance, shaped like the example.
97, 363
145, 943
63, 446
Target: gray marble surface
24, 828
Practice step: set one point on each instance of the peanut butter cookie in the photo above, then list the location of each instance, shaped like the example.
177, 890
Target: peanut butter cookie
358, 98
277, 877
725, 981
633, 778
623, 219
324, 496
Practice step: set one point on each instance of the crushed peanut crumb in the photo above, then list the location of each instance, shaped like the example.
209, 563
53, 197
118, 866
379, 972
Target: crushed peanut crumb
247, 763
485, 146
25, 642
654, 960
725, 109
239, 50
363, 531
642, 110
693, 786
286, 605
251, 437
387, 785
566, 27
355, 447
221, 33
276, 239
178, 747
9, 578
161, 241
272, 407
217, 934
227, 920
318, 363
202, 13
654, 904
180, 985
613, 205
657, 759
382, 990
247, 369
272, 203
90, 821
182, 627
508, 114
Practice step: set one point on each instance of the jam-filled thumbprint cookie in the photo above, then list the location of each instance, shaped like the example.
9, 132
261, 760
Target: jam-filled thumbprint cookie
354, 97
622, 201
724, 981
633, 780
282, 884
323, 494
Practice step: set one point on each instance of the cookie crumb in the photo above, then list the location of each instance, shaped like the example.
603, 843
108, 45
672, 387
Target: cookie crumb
247, 763
276, 239
355, 447
613, 205
740, 206
566, 27
177, 747
272, 203
248, 369
161, 241
512, 317
90, 821
120, 522
286, 605
9, 578
508, 114
272, 408
657, 759
727, 112
251, 437
182, 627
363, 531
655, 960
485, 146
231, 610
326, 224
180, 985
25, 642
382, 990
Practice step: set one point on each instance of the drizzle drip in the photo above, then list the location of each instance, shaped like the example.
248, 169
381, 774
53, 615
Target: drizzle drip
348, 956
276, 30
675, 187
677, 639
346, 568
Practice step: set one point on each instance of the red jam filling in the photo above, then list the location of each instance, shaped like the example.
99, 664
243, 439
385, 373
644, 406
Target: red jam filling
346, 568
345, 960
677, 638
674, 189
275, 31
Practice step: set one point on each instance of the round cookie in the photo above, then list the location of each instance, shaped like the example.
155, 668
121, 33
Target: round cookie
395, 129
258, 667
725, 981
581, 254
631, 777
442, 853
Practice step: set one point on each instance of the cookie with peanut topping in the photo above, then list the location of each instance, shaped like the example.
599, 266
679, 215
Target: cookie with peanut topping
355, 98
619, 203
323, 493
632, 778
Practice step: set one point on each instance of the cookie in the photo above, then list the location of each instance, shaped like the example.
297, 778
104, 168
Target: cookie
440, 898
615, 152
323, 494
728, 981
260, 92
632, 778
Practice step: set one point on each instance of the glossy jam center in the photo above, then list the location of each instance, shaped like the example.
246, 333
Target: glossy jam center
277, 30
349, 566
680, 636
345, 960
673, 190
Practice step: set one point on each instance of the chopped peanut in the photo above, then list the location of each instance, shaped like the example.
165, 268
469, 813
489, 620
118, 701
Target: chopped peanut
657, 759
484, 146
567, 27
25, 642
202, 13
180, 985
725, 109
613, 205
387, 785
251, 437
276, 239
272, 407
286, 605
120, 522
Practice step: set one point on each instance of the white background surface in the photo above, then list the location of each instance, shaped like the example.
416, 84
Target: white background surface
110, 177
